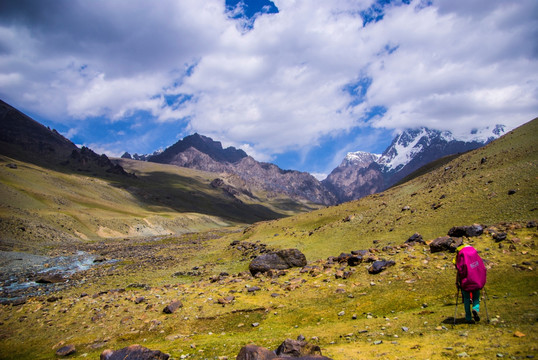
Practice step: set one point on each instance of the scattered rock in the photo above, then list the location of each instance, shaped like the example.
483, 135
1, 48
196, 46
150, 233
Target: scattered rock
253, 352
499, 236
253, 289
134, 352
380, 265
354, 260
50, 279
512, 191
299, 349
226, 300
469, 231
280, 260
172, 307
139, 300
445, 243
66, 350
415, 238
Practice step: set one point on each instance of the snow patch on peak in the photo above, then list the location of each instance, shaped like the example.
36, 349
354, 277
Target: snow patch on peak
361, 157
404, 148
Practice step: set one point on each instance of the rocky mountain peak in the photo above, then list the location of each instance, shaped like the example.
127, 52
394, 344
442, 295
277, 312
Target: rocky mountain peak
203, 144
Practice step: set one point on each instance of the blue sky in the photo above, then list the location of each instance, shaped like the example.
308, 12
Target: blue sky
297, 83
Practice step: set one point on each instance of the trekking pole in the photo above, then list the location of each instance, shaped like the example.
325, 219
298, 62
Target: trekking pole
456, 310
485, 304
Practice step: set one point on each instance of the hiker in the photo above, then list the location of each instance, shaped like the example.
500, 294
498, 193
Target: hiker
470, 278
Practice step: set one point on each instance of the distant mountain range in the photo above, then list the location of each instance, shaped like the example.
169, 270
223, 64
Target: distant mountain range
360, 173
203, 153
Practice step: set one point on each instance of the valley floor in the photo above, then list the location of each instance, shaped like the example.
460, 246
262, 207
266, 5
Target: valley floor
405, 312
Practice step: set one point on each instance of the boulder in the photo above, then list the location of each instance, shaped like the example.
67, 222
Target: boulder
253, 352
50, 279
66, 350
415, 238
172, 307
296, 349
380, 265
279, 260
499, 236
343, 257
134, 352
469, 231
445, 243
354, 260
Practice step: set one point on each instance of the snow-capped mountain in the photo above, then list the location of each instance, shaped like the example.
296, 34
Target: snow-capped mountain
410, 150
360, 158
143, 157
414, 148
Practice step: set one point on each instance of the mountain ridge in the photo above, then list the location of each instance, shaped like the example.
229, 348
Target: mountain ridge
409, 151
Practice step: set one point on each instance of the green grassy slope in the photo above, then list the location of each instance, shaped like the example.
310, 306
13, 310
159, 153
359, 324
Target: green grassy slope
40, 206
464, 191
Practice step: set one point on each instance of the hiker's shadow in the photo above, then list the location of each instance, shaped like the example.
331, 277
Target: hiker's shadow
450, 321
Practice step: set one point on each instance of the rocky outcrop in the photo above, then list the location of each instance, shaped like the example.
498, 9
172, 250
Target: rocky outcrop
134, 352
279, 260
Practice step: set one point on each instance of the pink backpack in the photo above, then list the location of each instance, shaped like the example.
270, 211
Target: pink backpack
471, 269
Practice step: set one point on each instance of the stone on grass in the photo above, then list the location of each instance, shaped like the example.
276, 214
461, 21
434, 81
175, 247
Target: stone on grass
445, 243
66, 350
253, 352
415, 238
469, 231
279, 260
380, 265
172, 307
134, 352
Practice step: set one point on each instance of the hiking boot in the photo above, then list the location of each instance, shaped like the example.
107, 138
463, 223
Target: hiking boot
475, 316
470, 321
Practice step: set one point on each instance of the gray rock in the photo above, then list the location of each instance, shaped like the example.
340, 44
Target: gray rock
134, 352
172, 307
469, 231
380, 265
253, 352
445, 243
280, 260
66, 350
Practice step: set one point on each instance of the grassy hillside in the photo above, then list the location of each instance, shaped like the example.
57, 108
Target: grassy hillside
40, 206
464, 191
405, 312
